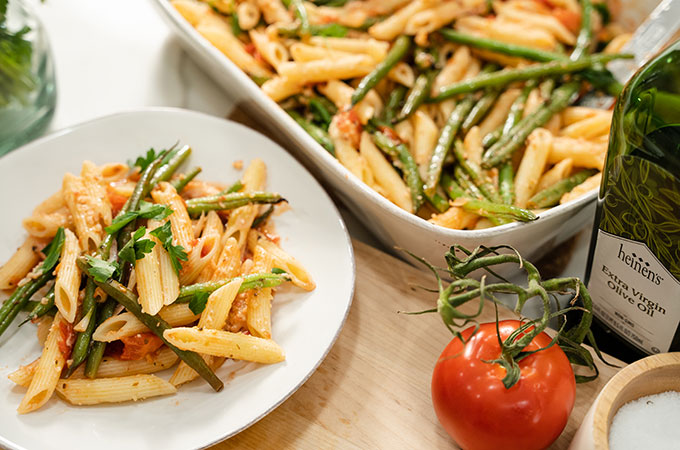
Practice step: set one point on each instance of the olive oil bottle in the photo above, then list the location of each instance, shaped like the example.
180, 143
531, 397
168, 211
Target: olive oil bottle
633, 270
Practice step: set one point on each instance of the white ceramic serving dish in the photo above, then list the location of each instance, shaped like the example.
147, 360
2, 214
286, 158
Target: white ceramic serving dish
305, 324
392, 225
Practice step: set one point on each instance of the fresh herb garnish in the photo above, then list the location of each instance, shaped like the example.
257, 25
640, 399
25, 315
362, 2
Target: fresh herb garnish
329, 30
146, 211
198, 302
603, 9
16, 78
136, 247
176, 252
278, 270
101, 270
53, 251
143, 161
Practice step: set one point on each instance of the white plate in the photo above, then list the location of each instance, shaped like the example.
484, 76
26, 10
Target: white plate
392, 225
304, 324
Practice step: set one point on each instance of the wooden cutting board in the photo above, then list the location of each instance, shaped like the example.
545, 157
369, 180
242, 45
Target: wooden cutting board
373, 389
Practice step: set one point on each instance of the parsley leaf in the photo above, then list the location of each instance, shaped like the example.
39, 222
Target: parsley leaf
277, 270
101, 270
146, 211
53, 251
176, 252
329, 30
163, 233
603, 9
143, 161
120, 221
153, 211
136, 247
198, 302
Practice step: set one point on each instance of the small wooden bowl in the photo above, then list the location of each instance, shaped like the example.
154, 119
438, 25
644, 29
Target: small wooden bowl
648, 376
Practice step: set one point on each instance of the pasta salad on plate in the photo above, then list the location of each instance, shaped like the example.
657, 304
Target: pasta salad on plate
145, 268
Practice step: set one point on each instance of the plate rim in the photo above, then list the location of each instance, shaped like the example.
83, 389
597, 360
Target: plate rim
163, 110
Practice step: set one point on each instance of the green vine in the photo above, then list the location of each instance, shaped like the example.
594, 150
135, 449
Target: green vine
465, 288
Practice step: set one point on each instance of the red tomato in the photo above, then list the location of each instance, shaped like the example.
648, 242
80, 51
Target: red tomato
476, 409
569, 18
138, 346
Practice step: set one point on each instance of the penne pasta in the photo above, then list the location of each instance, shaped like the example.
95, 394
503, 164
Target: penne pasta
126, 324
225, 344
532, 165
325, 69
47, 370
113, 390
20, 263
385, 175
558, 172
213, 317
590, 184
583, 153
67, 284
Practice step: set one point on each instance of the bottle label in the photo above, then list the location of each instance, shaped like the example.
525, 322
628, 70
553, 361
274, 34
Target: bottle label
634, 293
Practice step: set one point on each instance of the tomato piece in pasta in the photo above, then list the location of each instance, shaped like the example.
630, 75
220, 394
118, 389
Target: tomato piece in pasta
139, 345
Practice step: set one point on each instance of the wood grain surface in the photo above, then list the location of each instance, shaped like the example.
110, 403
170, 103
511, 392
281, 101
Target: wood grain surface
373, 389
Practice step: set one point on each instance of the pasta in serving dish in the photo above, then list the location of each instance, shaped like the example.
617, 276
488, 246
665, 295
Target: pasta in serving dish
420, 111
144, 268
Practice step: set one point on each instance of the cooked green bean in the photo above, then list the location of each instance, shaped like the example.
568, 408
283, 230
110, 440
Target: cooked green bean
180, 183
41, 307
584, 40
506, 183
417, 96
465, 182
16, 302
517, 108
475, 172
396, 54
301, 13
509, 143
514, 116
446, 136
322, 109
479, 111
499, 46
394, 102
409, 167
452, 189
551, 196
252, 281
94, 358
263, 217
317, 133
237, 186
439, 203
170, 165
196, 206
497, 211
492, 137
506, 76
81, 346
157, 326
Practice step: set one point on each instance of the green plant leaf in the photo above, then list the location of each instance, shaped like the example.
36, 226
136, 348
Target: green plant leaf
101, 270
53, 251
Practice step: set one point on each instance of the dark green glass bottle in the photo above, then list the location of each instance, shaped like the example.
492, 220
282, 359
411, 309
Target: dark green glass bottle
634, 261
